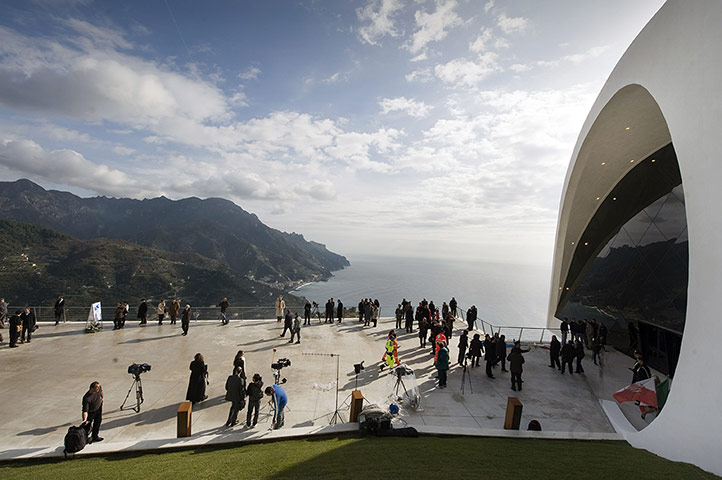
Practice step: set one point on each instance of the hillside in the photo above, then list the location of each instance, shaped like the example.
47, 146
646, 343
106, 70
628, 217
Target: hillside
39, 263
214, 228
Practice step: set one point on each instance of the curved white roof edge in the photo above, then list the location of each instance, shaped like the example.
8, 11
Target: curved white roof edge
667, 86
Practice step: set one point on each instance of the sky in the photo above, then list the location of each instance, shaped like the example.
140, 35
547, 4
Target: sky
437, 128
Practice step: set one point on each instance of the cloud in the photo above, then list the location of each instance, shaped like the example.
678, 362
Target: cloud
67, 167
251, 73
403, 104
481, 41
461, 72
511, 25
121, 150
335, 78
520, 67
378, 18
433, 27
489, 5
575, 58
422, 75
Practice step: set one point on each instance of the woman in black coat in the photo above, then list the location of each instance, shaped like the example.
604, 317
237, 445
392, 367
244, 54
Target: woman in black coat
463, 344
197, 383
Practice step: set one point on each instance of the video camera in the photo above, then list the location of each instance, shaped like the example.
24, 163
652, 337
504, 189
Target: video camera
137, 368
402, 370
282, 362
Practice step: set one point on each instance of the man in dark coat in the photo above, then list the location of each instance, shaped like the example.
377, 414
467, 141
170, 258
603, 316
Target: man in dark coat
579, 349
142, 312
339, 310
452, 306
255, 394
93, 410
59, 309
568, 353
329, 311
361, 310
516, 360
224, 306
554, 349
471, 315
236, 394
463, 344
28, 318
501, 352
15, 325
489, 355
409, 314
564, 327
287, 322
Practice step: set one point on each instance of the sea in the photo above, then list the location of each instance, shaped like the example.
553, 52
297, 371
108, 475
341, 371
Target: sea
504, 294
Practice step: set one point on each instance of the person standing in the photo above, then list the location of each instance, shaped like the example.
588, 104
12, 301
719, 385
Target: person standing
399, 317
15, 327
236, 394
296, 329
475, 350
280, 307
279, 399
579, 351
307, 313
463, 344
59, 309
126, 309
255, 394
361, 311
339, 310
186, 319
516, 360
29, 325
442, 363
501, 352
568, 353
3, 312
452, 306
489, 355
471, 318
224, 307
197, 382
173, 310
564, 327
142, 312
409, 313
423, 331
554, 349
239, 362
160, 310
118, 317
93, 410
287, 323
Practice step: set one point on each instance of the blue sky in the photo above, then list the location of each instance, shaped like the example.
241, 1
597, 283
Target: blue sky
439, 127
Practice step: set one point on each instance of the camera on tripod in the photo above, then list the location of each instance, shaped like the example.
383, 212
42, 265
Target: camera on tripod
282, 362
137, 368
402, 370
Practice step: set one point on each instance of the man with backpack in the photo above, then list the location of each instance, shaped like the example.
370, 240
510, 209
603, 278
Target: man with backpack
255, 394
236, 394
93, 410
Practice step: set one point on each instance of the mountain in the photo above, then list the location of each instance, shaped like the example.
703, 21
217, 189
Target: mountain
39, 263
214, 228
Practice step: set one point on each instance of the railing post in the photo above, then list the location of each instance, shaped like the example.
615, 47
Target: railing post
541, 340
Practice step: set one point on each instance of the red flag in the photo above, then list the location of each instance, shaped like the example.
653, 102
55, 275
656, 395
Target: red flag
642, 392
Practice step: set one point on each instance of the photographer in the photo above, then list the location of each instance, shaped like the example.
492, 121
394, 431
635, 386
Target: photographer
255, 394
279, 399
93, 410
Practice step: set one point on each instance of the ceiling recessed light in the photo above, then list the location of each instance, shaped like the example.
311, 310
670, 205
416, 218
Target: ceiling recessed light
614, 198
598, 198
653, 160
627, 127
586, 244
572, 243
604, 163
631, 161
567, 288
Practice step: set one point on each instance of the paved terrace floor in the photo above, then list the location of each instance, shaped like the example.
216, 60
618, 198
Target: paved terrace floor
42, 383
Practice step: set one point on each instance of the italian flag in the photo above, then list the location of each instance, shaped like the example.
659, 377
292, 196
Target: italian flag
642, 392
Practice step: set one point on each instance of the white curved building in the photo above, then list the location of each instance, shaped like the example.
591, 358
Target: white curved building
661, 106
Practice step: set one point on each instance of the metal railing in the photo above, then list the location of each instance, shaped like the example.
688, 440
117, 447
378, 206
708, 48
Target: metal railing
80, 314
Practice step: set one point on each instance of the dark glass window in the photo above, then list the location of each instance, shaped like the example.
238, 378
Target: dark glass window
633, 273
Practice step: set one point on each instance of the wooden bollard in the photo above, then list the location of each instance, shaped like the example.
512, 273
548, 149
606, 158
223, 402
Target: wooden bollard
184, 419
513, 414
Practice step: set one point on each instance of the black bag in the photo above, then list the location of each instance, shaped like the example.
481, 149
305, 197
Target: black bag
76, 439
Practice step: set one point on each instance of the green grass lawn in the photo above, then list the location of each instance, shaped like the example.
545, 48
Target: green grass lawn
373, 458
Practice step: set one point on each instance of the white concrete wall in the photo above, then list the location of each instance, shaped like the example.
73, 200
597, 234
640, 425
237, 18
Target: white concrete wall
677, 58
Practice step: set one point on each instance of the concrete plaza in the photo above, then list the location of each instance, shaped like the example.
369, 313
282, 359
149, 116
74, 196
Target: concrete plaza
43, 383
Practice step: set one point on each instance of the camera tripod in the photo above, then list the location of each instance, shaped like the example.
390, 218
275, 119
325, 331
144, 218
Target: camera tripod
465, 375
138, 385
414, 400
336, 417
